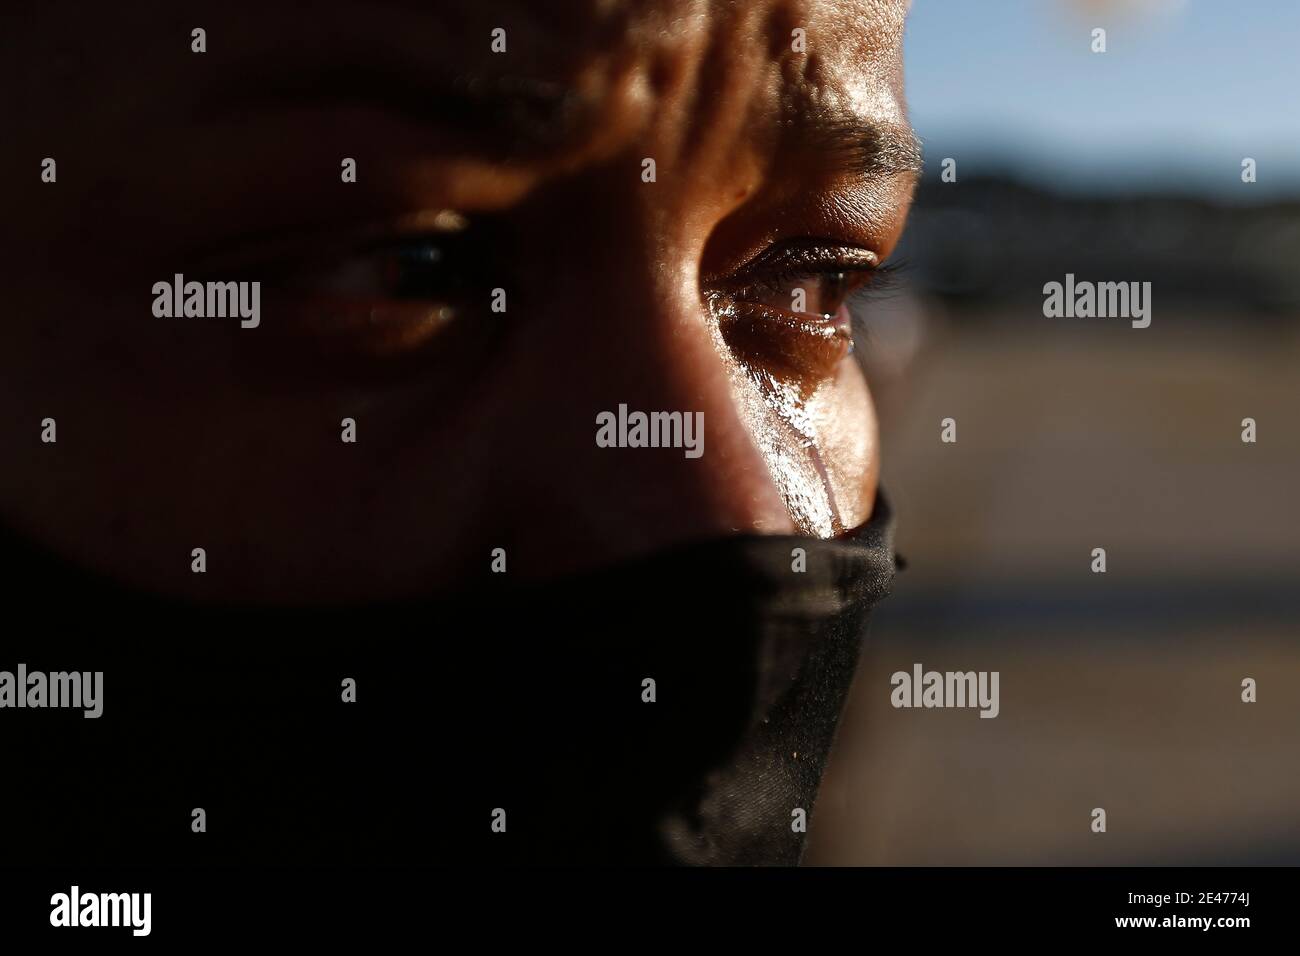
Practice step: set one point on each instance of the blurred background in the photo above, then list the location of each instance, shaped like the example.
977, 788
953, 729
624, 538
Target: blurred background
1119, 690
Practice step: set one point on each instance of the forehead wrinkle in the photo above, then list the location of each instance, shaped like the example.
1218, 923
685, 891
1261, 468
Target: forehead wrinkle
860, 135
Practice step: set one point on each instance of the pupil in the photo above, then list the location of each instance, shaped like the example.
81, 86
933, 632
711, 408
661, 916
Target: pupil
833, 293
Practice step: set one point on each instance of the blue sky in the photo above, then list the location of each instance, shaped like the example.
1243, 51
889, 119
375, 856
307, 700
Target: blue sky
1185, 90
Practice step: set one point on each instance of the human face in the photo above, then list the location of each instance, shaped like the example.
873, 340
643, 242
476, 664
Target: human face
777, 169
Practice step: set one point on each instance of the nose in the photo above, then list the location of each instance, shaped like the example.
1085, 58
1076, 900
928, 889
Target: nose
629, 334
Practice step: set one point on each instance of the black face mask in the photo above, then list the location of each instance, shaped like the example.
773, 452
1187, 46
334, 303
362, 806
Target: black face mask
535, 701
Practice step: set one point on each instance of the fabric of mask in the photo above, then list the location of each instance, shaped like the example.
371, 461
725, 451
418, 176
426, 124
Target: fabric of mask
678, 708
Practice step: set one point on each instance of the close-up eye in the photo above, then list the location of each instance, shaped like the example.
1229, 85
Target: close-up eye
789, 309
807, 278
413, 268
379, 306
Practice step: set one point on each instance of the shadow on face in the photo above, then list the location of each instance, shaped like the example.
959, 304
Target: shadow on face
350, 301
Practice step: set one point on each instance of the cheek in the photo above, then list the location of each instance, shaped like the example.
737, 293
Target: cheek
849, 439
820, 445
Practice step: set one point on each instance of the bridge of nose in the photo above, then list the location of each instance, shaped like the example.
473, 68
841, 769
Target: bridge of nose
625, 343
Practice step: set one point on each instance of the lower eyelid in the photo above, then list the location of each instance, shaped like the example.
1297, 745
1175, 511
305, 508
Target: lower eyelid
372, 326
804, 347
329, 343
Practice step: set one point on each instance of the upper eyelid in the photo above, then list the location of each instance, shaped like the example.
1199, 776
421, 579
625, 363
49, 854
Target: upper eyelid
777, 282
774, 279
328, 243
803, 256
881, 279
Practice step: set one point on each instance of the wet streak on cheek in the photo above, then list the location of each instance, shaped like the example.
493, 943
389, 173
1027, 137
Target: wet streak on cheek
783, 364
793, 404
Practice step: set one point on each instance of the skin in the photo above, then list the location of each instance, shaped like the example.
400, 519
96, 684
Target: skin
474, 431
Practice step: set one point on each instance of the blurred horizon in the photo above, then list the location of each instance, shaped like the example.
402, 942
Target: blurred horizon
1120, 689
1184, 91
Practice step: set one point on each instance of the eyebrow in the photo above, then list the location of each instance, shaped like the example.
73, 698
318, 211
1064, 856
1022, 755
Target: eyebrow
867, 147
503, 113
510, 115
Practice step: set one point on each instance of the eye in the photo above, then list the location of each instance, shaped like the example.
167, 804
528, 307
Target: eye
788, 309
822, 294
804, 276
384, 306
425, 269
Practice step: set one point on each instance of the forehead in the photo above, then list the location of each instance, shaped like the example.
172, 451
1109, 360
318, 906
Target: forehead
852, 48
579, 79
562, 41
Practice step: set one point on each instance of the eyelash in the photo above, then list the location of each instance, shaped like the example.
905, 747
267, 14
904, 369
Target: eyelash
803, 259
887, 279
770, 276
880, 281
877, 279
